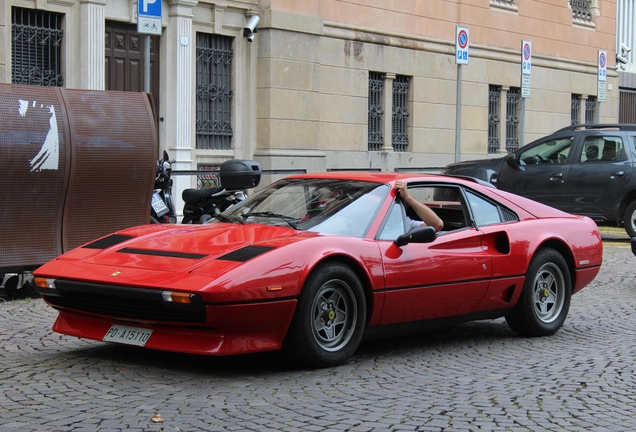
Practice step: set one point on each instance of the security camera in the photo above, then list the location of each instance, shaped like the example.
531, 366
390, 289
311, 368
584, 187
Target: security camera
625, 49
250, 28
621, 59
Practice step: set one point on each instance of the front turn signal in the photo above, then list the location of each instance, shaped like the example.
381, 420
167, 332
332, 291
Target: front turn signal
175, 297
44, 283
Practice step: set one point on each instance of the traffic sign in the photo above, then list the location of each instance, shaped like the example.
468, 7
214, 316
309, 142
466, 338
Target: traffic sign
525, 85
526, 57
602, 65
151, 8
461, 45
601, 91
149, 17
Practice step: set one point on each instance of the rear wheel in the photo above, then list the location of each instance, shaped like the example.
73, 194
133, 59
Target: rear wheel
330, 317
545, 299
629, 219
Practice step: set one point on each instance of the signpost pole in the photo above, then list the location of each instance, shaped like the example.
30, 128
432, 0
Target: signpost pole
526, 68
147, 63
148, 23
523, 122
458, 112
461, 58
601, 81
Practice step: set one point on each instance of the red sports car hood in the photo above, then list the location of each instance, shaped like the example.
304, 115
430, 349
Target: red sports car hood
185, 247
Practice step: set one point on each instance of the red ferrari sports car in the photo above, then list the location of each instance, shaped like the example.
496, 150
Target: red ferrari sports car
315, 262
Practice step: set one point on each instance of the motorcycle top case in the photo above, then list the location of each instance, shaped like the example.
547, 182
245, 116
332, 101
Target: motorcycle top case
238, 174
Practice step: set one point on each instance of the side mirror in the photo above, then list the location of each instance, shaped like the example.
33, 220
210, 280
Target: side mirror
421, 234
511, 160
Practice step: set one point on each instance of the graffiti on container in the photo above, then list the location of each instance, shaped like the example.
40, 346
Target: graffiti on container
49, 155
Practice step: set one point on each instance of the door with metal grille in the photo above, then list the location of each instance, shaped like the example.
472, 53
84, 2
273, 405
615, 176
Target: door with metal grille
124, 67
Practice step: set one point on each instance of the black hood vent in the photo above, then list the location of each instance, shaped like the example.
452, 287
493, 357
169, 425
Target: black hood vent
169, 254
107, 242
246, 253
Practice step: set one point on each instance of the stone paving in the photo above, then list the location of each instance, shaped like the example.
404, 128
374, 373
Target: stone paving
473, 377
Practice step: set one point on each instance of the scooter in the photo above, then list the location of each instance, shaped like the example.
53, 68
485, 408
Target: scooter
162, 205
236, 176
200, 205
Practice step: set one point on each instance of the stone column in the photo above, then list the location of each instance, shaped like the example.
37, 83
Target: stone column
92, 63
503, 97
387, 119
179, 117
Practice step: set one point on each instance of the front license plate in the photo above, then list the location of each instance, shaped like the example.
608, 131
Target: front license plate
127, 335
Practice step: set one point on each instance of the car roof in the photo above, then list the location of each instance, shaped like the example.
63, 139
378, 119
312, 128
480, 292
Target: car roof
381, 177
598, 126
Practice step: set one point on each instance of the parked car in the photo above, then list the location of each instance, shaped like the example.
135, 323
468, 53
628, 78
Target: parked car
581, 169
314, 262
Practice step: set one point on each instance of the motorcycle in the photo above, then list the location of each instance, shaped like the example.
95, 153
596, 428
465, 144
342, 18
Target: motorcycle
162, 205
236, 176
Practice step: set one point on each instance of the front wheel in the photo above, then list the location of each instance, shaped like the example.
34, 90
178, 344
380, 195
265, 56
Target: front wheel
629, 220
330, 317
545, 299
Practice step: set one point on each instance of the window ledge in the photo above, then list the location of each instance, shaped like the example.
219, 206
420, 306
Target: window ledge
584, 23
506, 5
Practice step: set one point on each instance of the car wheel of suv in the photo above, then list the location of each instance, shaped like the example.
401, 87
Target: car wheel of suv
629, 219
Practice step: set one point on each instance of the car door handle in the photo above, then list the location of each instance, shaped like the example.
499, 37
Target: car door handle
556, 176
617, 174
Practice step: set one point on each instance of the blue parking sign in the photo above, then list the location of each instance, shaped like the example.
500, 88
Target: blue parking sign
151, 8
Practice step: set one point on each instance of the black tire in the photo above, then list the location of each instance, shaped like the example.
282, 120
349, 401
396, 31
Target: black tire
330, 317
545, 299
629, 220
16, 288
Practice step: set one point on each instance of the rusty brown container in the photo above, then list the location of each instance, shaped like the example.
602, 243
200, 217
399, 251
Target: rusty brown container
75, 165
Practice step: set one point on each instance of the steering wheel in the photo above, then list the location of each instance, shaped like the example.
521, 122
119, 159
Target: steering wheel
538, 159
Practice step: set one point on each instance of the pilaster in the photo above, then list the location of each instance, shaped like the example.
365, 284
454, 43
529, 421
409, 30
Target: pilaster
179, 107
582, 109
92, 44
503, 97
387, 119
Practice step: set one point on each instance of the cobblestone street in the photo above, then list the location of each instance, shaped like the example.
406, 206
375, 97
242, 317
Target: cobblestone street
476, 376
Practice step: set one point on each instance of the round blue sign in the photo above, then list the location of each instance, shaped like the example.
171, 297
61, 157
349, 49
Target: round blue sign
462, 39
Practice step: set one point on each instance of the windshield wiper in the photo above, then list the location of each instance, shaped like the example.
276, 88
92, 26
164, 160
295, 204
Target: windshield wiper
224, 218
287, 219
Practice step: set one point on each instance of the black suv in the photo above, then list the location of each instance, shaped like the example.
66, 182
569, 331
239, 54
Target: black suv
581, 169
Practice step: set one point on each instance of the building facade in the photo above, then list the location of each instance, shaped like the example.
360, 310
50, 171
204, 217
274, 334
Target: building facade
328, 84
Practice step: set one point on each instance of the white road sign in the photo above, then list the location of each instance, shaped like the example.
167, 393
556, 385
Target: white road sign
526, 57
602, 65
461, 45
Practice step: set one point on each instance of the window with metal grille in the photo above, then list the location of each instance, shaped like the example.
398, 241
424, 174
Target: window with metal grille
376, 88
590, 109
581, 10
214, 92
493, 118
36, 44
575, 108
513, 96
399, 135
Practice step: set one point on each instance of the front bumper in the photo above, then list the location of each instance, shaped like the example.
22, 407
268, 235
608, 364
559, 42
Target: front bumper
228, 330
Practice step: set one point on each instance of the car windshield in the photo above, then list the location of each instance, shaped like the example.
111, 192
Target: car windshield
326, 206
